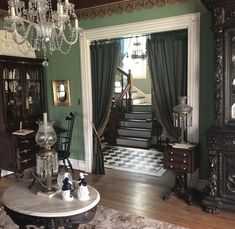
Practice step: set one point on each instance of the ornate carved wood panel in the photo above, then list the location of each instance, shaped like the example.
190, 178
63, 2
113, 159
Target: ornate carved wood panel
221, 137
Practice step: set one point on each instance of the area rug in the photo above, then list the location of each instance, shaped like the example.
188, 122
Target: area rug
106, 218
148, 162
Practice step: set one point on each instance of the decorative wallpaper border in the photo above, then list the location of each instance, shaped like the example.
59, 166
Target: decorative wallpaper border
116, 8
122, 6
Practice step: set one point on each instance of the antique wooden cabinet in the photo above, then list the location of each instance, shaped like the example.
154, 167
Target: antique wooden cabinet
22, 101
221, 136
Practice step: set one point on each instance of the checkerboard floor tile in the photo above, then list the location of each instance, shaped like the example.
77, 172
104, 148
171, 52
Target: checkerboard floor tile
140, 161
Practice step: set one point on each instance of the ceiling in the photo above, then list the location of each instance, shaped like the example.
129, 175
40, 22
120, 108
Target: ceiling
79, 4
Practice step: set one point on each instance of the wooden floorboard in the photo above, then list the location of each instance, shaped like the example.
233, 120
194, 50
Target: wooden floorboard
142, 195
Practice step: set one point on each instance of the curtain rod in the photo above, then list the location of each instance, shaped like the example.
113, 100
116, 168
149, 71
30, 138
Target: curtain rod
121, 38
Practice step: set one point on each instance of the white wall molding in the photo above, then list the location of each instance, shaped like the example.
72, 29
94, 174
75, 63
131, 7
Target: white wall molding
78, 164
188, 21
9, 48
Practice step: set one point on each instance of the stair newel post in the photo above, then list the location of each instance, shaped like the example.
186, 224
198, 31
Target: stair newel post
130, 91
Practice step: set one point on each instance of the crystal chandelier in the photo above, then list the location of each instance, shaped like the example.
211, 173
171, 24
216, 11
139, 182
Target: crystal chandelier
44, 28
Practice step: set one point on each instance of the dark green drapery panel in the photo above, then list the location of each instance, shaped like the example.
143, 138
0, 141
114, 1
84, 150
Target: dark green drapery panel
167, 58
104, 58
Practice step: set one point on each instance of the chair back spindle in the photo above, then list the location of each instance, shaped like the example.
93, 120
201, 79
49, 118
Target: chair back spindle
63, 143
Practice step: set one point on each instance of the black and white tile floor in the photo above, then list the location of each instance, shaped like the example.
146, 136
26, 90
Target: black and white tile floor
149, 162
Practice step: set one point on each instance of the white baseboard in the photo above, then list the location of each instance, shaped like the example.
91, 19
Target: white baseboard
78, 164
5, 173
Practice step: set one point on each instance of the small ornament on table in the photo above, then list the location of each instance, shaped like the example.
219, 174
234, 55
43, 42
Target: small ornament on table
66, 189
83, 192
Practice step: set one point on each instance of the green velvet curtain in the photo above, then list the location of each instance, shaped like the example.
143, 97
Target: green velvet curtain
104, 56
167, 58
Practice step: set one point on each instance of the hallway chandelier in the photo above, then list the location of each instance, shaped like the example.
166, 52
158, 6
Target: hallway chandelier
44, 28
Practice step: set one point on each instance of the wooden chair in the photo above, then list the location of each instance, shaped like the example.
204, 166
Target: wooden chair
62, 145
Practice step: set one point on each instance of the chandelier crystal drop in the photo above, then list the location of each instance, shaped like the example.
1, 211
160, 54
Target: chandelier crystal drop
44, 28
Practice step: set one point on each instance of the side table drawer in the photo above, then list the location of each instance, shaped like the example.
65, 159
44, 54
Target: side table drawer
26, 149
178, 167
177, 153
180, 160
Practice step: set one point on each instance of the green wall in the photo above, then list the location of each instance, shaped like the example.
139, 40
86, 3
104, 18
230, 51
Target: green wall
67, 67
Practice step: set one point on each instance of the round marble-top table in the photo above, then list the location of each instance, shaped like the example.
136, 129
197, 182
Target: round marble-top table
26, 207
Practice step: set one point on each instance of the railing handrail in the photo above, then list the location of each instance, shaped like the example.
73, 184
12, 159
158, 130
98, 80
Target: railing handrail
122, 71
127, 90
115, 115
120, 98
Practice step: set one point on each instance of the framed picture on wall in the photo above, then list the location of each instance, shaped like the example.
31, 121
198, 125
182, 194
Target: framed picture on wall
61, 92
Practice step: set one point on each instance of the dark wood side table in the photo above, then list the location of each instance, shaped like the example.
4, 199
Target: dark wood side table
18, 152
182, 161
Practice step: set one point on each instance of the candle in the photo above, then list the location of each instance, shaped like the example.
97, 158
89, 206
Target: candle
76, 23
13, 12
66, 2
20, 126
61, 9
44, 118
58, 7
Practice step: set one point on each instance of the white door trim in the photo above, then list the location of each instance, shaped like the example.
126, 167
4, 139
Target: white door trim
187, 21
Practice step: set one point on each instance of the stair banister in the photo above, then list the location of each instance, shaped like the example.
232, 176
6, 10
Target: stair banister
114, 116
130, 90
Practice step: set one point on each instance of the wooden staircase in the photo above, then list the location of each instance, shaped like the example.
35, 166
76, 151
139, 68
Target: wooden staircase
131, 116
136, 127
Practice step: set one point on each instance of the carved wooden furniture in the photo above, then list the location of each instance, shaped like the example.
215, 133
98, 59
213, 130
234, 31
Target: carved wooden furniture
181, 161
22, 100
25, 207
221, 136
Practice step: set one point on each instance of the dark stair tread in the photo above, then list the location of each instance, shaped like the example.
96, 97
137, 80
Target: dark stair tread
139, 112
138, 97
135, 128
135, 139
142, 104
137, 120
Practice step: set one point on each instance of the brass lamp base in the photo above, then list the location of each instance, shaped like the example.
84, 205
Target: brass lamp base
49, 193
45, 191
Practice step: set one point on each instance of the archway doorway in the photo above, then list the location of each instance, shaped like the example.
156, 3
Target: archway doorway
191, 22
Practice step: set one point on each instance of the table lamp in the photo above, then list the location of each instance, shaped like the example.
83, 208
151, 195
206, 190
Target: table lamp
182, 118
46, 158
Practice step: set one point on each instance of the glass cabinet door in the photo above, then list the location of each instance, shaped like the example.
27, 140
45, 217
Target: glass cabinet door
229, 78
33, 100
232, 73
13, 96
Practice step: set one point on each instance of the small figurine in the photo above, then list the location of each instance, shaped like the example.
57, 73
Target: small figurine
66, 189
83, 192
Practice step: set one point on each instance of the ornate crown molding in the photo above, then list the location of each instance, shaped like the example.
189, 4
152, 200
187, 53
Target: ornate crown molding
122, 6
116, 8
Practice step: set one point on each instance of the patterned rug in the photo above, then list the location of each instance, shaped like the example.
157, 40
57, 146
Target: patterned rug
148, 162
106, 218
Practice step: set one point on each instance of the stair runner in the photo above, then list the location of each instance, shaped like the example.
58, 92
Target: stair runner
136, 128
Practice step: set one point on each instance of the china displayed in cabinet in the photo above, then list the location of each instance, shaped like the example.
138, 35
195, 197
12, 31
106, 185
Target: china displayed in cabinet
21, 106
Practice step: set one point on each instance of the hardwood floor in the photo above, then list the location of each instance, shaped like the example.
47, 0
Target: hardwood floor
142, 195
